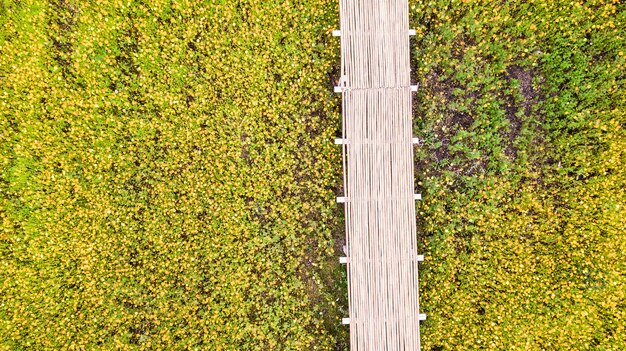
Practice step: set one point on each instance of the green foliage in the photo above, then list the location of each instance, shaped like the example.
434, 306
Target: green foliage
167, 176
522, 108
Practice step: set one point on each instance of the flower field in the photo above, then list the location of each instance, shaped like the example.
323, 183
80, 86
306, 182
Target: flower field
523, 109
168, 175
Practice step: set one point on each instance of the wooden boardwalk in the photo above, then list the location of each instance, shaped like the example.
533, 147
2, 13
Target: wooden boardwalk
382, 258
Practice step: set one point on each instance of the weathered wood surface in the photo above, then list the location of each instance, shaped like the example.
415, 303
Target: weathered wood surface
379, 202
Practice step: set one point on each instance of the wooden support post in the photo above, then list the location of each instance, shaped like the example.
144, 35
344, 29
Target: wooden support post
337, 33
341, 141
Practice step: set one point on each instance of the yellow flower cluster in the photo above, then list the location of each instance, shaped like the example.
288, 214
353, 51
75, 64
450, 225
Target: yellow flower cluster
167, 175
521, 106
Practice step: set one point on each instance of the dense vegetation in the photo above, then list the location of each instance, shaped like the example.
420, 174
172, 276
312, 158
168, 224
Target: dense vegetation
167, 175
523, 108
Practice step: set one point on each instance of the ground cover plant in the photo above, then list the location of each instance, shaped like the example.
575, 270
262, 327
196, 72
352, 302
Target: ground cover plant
167, 175
522, 108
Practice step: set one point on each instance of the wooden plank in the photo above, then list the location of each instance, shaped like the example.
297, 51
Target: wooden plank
378, 176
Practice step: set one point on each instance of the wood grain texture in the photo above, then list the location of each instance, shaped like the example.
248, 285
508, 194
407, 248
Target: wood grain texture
378, 175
